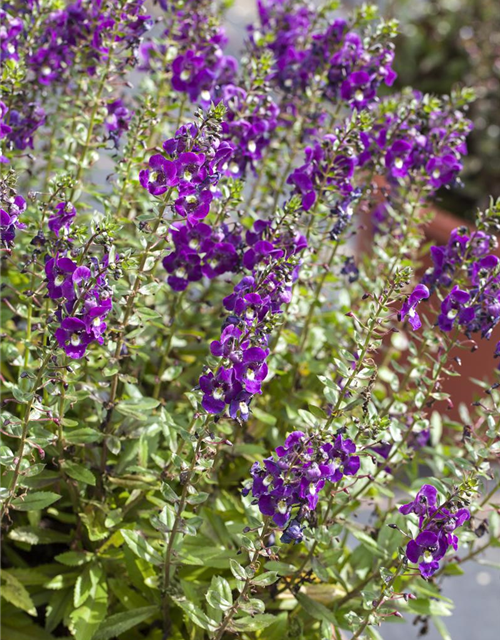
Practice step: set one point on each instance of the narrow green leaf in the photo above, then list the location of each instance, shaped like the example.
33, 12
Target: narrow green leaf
315, 609
78, 472
119, 623
74, 558
255, 623
88, 618
197, 616
14, 592
237, 570
141, 547
265, 579
35, 501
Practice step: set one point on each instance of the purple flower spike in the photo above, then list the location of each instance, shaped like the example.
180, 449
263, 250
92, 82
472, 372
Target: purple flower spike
287, 486
437, 525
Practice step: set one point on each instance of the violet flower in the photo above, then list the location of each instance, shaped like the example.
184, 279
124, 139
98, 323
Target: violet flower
409, 308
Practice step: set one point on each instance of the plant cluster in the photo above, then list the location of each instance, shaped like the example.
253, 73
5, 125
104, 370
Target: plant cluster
206, 378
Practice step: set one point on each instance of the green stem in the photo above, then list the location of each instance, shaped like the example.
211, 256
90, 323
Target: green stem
126, 316
312, 306
244, 591
378, 602
373, 324
24, 434
174, 312
172, 537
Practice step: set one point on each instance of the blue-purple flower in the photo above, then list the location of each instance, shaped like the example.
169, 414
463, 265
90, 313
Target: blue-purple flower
409, 308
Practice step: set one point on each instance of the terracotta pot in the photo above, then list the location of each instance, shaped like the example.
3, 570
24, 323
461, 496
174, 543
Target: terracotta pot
477, 360
474, 361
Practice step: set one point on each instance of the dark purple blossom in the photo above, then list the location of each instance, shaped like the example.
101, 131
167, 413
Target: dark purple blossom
10, 210
161, 175
63, 217
431, 548
437, 525
409, 308
73, 337
424, 503
117, 120
290, 482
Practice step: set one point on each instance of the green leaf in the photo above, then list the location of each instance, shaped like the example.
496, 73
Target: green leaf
255, 623
453, 569
34, 536
119, 623
78, 472
137, 408
21, 628
219, 596
367, 541
74, 558
35, 501
197, 616
141, 547
441, 627
86, 584
282, 568
56, 608
315, 609
265, 579
87, 435
237, 570
426, 607
88, 618
14, 592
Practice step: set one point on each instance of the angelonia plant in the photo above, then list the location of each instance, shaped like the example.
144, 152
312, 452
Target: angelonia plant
228, 350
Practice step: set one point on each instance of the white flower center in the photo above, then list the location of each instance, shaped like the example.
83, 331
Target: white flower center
218, 393
243, 407
282, 506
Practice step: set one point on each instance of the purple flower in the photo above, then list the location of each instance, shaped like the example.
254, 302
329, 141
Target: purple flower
118, 120
293, 532
218, 390
161, 175
443, 170
357, 89
9, 219
424, 503
409, 308
23, 124
398, 158
287, 486
453, 308
73, 337
184, 266
229, 344
59, 272
62, 218
437, 525
429, 546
